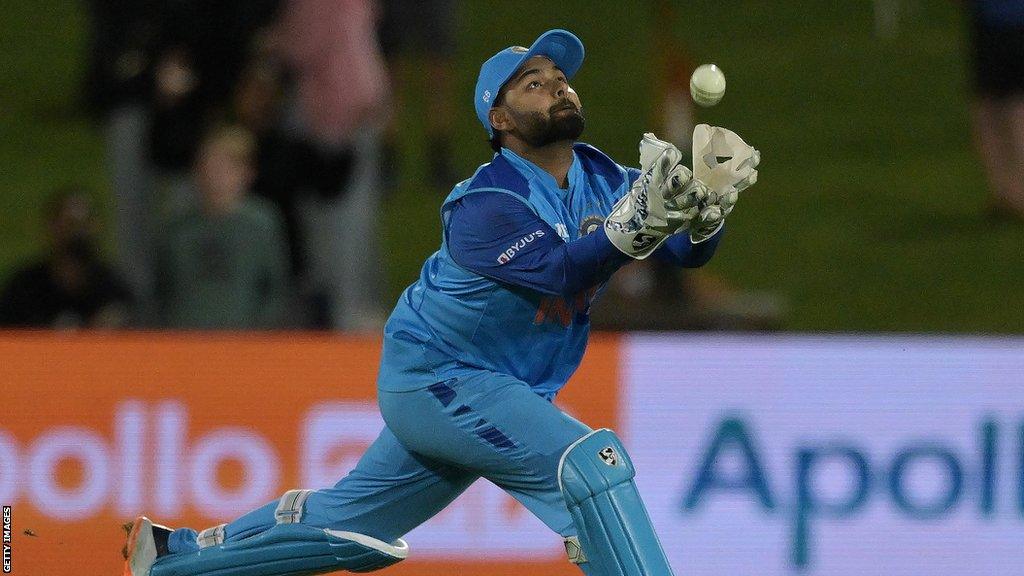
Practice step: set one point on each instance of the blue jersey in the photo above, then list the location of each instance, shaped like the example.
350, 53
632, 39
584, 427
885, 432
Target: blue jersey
521, 261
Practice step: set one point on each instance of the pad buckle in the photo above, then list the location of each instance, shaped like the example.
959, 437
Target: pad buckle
575, 550
289, 509
213, 536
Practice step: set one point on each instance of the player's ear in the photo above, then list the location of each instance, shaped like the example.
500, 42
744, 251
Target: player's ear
500, 119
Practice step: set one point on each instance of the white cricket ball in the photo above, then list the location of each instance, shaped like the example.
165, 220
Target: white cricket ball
707, 85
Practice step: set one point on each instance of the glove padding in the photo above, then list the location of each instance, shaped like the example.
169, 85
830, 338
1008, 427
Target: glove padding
727, 165
661, 202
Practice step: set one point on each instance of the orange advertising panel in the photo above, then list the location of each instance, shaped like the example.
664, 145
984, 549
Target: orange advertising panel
196, 429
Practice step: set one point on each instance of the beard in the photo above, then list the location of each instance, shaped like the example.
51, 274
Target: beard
539, 129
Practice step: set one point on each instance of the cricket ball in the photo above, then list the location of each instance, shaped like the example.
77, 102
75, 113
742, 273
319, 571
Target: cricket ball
707, 85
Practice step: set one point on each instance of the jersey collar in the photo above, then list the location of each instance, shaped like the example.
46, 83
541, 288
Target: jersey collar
535, 173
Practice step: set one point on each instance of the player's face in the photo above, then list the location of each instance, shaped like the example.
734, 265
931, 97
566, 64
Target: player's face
543, 107
223, 176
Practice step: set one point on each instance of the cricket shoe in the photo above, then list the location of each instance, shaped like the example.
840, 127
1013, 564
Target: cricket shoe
146, 542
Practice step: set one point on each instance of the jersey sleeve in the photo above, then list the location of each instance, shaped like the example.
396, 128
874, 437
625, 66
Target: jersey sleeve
498, 236
679, 251
631, 175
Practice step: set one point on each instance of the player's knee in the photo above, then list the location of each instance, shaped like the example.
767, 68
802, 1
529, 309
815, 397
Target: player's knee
615, 535
593, 464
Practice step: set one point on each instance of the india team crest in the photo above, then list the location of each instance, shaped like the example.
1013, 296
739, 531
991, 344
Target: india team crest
590, 224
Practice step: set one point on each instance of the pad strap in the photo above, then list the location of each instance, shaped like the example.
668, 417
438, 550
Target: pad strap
211, 536
575, 550
289, 508
290, 549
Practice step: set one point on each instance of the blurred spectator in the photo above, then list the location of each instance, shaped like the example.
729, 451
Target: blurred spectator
222, 264
71, 287
997, 109
333, 116
117, 87
199, 52
290, 168
418, 36
283, 163
159, 72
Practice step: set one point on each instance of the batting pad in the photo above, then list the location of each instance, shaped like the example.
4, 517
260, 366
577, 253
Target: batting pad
286, 550
596, 478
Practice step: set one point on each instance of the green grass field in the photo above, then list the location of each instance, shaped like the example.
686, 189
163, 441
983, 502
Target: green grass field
869, 211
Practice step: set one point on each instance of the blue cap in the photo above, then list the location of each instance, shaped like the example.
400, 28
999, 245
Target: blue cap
561, 46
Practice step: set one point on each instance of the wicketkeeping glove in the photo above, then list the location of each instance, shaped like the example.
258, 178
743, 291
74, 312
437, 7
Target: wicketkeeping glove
661, 202
727, 165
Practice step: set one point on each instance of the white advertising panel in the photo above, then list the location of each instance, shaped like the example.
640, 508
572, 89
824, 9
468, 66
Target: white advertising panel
830, 456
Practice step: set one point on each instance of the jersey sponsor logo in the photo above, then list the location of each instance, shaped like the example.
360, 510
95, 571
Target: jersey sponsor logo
509, 253
565, 311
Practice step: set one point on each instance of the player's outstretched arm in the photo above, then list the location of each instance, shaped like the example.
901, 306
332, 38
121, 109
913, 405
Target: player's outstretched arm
498, 236
680, 249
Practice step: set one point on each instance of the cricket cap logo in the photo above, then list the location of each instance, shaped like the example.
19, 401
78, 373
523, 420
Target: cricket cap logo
609, 456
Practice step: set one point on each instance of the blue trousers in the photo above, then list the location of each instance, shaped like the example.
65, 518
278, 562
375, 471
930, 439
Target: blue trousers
437, 441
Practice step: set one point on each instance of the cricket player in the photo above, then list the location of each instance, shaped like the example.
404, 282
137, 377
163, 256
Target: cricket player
478, 347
